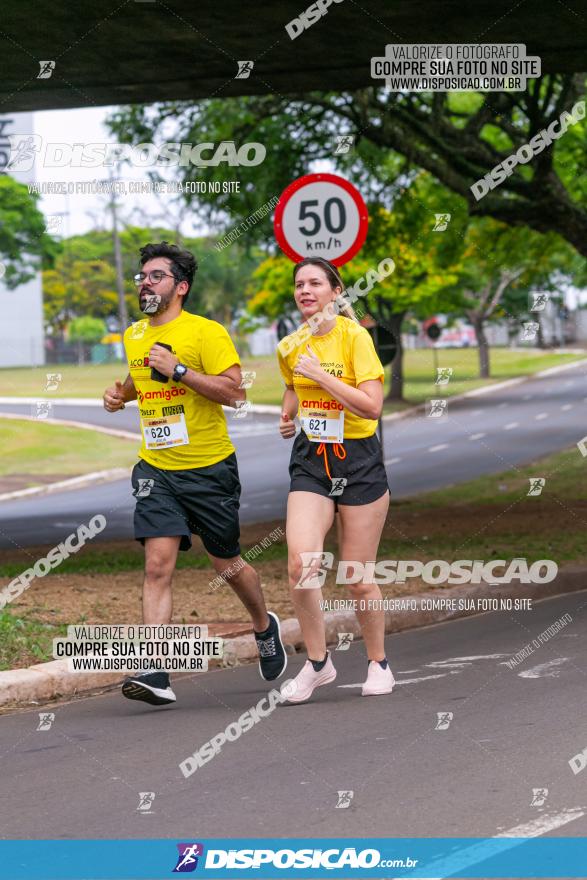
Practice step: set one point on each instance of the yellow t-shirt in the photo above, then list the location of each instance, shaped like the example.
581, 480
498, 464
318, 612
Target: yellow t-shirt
346, 351
181, 428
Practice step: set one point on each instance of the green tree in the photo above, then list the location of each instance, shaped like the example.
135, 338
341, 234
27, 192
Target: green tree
495, 259
85, 331
24, 244
456, 137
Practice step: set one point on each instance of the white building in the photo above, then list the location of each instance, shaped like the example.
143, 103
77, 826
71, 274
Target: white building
21, 333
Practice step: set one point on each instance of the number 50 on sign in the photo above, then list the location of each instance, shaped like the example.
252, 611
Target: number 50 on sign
321, 215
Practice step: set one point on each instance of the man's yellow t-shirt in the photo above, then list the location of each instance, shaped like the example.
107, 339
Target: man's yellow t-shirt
181, 429
346, 351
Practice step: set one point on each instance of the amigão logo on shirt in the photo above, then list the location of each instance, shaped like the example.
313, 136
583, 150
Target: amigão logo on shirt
166, 394
323, 404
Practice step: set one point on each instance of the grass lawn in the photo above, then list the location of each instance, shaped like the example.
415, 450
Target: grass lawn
33, 447
487, 518
91, 380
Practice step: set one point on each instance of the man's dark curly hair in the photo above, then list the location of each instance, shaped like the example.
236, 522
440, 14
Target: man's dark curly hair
183, 263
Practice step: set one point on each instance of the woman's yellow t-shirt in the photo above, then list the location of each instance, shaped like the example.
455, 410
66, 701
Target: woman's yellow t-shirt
346, 351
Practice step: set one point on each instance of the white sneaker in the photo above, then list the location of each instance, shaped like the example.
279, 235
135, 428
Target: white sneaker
307, 680
379, 681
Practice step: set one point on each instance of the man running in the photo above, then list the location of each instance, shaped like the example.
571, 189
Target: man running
183, 369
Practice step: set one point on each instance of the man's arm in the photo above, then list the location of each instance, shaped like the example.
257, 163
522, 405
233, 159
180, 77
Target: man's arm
128, 389
223, 388
118, 394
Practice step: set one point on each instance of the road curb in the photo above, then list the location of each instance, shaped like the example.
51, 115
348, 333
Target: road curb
73, 483
44, 682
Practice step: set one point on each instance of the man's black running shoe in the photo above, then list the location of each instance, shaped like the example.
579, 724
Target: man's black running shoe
149, 687
272, 656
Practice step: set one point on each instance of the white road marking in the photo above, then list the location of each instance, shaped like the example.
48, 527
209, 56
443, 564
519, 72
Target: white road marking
476, 412
457, 862
438, 447
550, 669
511, 425
502, 405
566, 406
403, 681
541, 415
544, 824
392, 460
527, 397
477, 436
462, 662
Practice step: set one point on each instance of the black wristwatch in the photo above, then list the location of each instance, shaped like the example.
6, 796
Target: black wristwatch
179, 372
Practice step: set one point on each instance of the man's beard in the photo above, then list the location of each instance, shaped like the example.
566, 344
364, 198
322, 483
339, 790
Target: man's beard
154, 303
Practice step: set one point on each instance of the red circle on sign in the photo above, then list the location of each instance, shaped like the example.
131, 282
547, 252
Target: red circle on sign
351, 190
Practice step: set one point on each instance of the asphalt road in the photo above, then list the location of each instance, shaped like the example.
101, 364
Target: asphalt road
512, 731
480, 435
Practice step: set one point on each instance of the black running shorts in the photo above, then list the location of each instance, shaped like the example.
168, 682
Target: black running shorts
201, 501
363, 469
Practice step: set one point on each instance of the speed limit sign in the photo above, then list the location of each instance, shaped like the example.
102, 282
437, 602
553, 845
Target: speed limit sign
321, 215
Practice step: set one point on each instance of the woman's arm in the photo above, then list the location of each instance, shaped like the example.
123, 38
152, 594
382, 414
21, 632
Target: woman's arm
289, 408
366, 400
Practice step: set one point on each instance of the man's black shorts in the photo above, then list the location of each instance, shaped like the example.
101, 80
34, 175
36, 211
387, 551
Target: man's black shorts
202, 501
363, 469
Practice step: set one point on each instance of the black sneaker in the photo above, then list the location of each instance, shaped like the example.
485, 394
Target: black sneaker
272, 656
149, 687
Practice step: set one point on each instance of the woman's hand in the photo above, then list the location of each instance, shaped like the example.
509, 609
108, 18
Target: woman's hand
287, 426
309, 366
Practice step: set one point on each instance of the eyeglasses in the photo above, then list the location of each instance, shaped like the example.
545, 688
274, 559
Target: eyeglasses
154, 277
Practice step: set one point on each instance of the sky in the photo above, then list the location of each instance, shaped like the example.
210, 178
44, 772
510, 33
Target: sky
83, 212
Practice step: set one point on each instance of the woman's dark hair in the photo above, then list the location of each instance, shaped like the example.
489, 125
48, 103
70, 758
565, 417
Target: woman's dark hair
183, 263
334, 280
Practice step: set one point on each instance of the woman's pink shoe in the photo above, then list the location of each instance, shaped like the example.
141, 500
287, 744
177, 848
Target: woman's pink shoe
379, 681
307, 680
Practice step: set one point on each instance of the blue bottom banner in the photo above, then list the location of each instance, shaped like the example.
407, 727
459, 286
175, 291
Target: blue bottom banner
496, 857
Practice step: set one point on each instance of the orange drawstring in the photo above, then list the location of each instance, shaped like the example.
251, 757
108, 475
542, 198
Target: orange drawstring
338, 450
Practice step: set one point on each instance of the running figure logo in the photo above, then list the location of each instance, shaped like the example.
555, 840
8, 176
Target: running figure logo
443, 375
539, 795
345, 142
53, 223
143, 490
242, 407
248, 377
137, 330
530, 330
187, 860
437, 408
46, 719
42, 409
146, 799
151, 303
441, 222
538, 301
444, 719
536, 485
23, 149
53, 380
314, 567
338, 486
47, 68
344, 641
344, 799
245, 69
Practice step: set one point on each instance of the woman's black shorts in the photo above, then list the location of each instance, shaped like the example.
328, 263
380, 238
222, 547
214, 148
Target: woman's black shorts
363, 470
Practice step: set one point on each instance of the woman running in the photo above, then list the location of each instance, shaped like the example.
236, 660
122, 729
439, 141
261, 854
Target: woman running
334, 384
